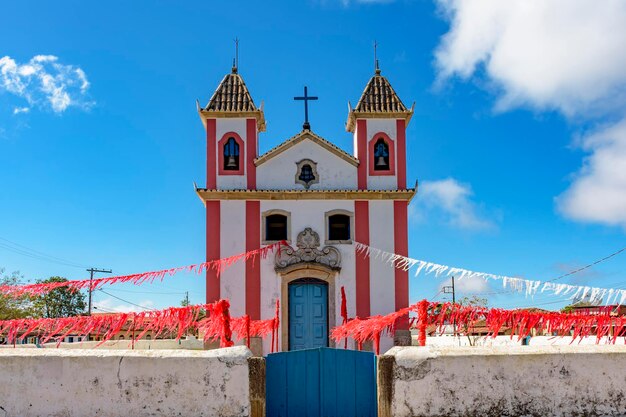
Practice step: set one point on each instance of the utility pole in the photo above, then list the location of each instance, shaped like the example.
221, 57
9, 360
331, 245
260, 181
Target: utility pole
92, 271
449, 289
186, 298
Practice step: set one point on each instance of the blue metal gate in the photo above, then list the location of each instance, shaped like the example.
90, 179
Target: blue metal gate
321, 382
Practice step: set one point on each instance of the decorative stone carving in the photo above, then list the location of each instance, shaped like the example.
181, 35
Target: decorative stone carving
308, 252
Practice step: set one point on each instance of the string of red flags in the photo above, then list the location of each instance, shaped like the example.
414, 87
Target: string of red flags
467, 317
217, 265
210, 321
527, 286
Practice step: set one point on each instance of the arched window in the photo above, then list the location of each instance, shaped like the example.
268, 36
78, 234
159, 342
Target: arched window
231, 155
306, 173
275, 227
381, 155
339, 227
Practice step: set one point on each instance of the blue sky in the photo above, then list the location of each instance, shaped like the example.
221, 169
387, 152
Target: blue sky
517, 141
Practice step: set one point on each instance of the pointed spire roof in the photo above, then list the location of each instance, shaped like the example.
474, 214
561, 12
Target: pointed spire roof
232, 99
379, 100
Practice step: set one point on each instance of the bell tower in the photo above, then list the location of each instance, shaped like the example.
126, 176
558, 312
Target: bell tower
379, 123
232, 123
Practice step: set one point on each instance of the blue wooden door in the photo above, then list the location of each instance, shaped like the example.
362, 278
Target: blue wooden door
321, 382
308, 314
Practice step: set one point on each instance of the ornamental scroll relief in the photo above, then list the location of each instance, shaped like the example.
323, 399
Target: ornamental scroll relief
308, 243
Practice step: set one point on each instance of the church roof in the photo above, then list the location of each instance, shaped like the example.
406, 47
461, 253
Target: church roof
379, 99
232, 99
306, 134
231, 95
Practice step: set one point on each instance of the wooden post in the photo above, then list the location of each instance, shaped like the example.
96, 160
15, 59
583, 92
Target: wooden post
256, 375
385, 385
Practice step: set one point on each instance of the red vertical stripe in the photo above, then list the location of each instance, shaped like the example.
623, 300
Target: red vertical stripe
253, 266
211, 160
362, 234
401, 247
251, 153
401, 153
212, 249
361, 143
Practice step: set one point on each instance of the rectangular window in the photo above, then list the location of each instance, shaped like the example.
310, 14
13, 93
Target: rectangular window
276, 227
339, 227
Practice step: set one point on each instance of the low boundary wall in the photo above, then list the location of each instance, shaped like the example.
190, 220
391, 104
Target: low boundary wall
511, 381
109, 383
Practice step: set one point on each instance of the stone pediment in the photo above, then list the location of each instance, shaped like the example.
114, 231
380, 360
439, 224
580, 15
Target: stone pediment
307, 253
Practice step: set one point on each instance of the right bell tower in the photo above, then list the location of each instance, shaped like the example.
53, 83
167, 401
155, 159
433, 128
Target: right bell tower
379, 123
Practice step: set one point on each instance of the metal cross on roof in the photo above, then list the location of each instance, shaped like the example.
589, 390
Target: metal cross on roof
306, 98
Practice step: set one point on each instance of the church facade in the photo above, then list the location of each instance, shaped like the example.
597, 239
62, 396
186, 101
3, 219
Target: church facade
318, 198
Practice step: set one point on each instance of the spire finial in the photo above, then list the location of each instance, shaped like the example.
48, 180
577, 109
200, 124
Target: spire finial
376, 68
236, 58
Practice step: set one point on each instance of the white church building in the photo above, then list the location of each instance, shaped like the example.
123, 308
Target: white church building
318, 198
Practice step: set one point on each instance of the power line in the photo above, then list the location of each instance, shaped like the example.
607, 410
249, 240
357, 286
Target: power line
147, 292
91, 272
32, 253
126, 301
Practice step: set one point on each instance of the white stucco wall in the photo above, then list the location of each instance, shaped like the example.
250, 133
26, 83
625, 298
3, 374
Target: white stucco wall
279, 172
512, 381
233, 242
223, 126
382, 274
303, 215
96, 383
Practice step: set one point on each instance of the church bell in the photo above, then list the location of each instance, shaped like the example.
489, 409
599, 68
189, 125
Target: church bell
231, 163
380, 162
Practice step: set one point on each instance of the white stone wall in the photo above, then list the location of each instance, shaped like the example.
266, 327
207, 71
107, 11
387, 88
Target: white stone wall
513, 381
96, 383
279, 172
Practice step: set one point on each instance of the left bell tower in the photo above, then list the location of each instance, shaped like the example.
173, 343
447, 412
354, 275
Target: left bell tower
232, 123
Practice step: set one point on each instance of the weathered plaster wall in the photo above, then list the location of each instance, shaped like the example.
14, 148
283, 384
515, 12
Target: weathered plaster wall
513, 381
100, 383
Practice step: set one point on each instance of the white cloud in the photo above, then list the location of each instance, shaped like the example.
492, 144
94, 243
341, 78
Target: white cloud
453, 202
107, 305
18, 110
469, 285
598, 193
44, 82
563, 55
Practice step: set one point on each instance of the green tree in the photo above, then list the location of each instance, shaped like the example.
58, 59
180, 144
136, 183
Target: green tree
60, 302
474, 301
14, 307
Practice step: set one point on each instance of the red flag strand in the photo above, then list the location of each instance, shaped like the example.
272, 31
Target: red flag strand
217, 265
519, 323
212, 321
